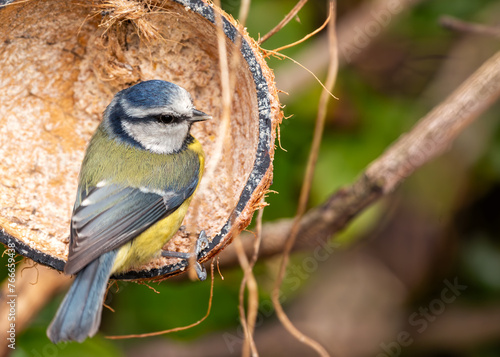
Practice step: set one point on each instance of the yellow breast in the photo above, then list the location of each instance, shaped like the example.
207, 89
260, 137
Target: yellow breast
148, 244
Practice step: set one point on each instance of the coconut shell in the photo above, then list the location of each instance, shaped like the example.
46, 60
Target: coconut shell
62, 61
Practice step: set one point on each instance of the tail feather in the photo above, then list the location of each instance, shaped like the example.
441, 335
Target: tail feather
79, 315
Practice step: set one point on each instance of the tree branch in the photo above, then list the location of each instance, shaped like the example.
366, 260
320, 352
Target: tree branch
429, 138
454, 24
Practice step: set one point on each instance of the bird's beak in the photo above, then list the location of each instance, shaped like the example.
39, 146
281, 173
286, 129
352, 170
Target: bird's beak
198, 115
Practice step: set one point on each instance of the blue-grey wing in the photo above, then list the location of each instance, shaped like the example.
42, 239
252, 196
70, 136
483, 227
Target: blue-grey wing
109, 215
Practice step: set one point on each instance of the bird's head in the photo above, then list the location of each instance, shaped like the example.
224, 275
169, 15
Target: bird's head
154, 115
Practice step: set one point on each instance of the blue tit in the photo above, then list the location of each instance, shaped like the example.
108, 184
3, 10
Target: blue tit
139, 174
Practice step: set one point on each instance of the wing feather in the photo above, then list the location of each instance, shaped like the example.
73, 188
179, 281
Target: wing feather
107, 216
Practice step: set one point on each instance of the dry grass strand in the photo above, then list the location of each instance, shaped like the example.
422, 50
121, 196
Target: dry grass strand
115, 12
283, 22
250, 283
306, 37
304, 195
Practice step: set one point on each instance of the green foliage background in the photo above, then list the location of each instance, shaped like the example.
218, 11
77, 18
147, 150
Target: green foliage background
380, 97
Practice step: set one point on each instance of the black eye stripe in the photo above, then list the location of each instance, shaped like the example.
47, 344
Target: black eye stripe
165, 119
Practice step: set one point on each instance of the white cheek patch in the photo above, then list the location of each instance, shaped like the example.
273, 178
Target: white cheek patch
157, 137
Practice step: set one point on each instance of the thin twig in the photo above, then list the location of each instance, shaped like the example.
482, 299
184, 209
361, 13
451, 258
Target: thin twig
258, 237
276, 52
253, 299
251, 283
244, 10
227, 88
226, 95
305, 38
177, 329
304, 194
249, 319
225, 120
454, 24
267, 52
248, 280
283, 22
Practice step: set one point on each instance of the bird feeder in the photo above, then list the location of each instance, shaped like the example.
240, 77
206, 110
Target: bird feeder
62, 61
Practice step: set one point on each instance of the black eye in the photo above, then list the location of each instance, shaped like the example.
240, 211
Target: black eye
165, 119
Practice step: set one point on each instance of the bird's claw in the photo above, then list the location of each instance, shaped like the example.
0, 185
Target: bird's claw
201, 243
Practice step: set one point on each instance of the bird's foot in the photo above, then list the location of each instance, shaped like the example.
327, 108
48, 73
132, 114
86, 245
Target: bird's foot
201, 243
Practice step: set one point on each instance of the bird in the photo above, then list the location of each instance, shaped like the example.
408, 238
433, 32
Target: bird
140, 171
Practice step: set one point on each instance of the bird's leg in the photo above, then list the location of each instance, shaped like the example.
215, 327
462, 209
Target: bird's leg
201, 243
